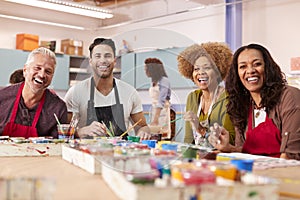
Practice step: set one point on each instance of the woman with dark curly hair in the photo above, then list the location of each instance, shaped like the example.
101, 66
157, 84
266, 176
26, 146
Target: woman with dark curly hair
263, 108
206, 65
160, 92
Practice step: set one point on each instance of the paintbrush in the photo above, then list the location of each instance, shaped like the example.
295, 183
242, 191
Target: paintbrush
107, 129
59, 124
57, 119
129, 129
174, 120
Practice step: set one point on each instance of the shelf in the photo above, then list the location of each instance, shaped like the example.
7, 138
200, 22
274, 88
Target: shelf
79, 70
73, 82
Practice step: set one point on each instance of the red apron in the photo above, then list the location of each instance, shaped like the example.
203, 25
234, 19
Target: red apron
265, 139
18, 130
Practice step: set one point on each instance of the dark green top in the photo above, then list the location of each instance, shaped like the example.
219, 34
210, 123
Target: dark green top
218, 115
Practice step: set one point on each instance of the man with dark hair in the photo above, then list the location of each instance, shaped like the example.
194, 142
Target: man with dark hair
104, 102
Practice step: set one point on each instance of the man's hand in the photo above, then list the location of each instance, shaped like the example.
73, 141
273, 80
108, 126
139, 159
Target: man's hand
94, 129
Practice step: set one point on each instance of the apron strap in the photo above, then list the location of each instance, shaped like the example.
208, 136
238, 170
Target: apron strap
16, 104
116, 92
91, 115
93, 88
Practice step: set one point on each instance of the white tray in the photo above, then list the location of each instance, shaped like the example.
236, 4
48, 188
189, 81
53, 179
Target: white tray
81, 159
126, 190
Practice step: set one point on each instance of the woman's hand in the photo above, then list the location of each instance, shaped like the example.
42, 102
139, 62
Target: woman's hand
194, 121
219, 137
144, 133
192, 118
94, 129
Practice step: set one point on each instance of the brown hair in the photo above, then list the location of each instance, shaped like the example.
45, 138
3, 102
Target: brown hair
16, 77
218, 53
155, 69
104, 41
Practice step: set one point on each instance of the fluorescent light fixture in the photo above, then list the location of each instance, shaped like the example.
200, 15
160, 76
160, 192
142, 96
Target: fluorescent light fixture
42, 22
67, 7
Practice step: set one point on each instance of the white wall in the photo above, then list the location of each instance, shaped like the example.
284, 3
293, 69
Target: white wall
203, 25
275, 24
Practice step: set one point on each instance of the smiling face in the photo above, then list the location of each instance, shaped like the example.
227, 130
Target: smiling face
204, 75
102, 61
251, 69
39, 72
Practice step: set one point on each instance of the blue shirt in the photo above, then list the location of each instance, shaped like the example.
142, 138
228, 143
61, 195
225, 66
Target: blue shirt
164, 91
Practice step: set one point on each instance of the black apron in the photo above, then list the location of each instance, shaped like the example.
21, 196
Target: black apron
112, 116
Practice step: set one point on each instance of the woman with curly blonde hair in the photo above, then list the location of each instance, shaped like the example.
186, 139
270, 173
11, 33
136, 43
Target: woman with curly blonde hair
206, 65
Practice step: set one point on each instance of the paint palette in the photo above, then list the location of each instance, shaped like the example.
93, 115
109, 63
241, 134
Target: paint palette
12, 148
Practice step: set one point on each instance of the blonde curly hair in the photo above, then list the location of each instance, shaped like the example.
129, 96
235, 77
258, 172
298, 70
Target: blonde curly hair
218, 53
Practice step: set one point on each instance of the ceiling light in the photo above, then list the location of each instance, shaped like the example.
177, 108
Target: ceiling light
67, 7
42, 22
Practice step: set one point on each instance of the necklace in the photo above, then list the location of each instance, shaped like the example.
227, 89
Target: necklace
205, 123
259, 116
257, 112
257, 109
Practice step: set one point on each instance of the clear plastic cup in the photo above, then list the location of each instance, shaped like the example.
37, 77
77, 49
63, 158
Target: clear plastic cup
65, 131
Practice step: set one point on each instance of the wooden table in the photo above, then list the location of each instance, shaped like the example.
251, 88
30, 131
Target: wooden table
71, 182
290, 180
75, 183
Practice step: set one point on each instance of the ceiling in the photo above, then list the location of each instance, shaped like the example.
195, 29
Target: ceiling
137, 10
124, 11
119, 3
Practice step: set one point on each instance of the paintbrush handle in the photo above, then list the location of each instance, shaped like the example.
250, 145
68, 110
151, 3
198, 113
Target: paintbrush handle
172, 121
130, 128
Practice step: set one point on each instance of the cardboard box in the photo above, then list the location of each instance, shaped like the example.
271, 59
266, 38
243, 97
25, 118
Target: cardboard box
72, 47
27, 42
295, 64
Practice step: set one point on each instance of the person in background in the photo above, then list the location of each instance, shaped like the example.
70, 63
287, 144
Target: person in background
27, 108
263, 108
206, 65
103, 102
160, 93
16, 77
